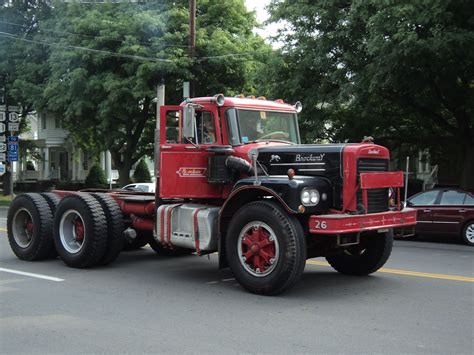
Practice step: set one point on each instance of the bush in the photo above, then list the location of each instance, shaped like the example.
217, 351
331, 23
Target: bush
96, 178
141, 174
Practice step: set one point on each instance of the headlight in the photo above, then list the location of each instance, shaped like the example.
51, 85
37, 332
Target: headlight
310, 197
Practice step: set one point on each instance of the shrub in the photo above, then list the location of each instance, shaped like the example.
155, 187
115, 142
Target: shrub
96, 178
141, 174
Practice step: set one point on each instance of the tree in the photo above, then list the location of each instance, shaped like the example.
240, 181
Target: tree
106, 62
23, 63
402, 71
141, 174
96, 177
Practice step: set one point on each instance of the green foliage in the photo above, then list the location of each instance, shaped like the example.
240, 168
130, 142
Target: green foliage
400, 71
96, 177
141, 174
97, 65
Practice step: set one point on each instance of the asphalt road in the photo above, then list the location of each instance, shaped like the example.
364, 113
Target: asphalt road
422, 302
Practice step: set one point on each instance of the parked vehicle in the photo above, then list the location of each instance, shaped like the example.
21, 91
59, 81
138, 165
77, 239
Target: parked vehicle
445, 211
140, 186
233, 178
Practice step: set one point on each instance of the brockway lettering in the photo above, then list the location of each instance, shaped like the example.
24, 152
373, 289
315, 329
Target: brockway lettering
309, 158
374, 151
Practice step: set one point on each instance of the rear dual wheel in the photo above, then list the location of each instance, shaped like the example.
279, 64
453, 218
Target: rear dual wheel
80, 231
30, 227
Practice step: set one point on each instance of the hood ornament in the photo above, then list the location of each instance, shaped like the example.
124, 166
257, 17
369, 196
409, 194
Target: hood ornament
275, 158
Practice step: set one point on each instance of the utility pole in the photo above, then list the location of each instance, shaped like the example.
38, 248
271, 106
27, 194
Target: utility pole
192, 40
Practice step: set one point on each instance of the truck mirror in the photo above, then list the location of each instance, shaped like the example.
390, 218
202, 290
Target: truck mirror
189, 121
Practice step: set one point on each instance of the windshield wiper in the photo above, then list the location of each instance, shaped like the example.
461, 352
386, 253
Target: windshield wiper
270, 140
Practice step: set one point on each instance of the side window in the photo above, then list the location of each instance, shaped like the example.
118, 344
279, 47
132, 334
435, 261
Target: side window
427, 198
469, 200
206, 128
232, 127
172, 127
452, 198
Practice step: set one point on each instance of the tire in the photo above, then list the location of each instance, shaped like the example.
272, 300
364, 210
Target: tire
140, 241
53, 201
161, 250
80, 231
468, 233
365, 258
274, 267
115, 227
30, 227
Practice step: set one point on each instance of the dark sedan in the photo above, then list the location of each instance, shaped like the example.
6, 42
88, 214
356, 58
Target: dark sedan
445, 211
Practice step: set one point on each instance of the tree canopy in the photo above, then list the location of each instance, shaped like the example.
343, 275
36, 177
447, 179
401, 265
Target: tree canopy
400, 71
101, 64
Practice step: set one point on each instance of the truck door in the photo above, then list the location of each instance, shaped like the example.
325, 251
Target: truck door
183, 163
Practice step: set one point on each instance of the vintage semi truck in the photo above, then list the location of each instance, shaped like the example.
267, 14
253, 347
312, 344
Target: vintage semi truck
232, 178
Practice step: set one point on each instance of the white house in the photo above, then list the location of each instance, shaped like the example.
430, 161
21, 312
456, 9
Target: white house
60, 158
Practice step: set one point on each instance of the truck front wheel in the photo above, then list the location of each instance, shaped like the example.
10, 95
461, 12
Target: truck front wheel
265, 247
364, 258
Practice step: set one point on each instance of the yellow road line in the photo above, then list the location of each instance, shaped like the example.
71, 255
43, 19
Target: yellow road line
3, 229
408, 273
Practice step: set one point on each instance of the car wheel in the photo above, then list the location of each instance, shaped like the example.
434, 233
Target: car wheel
468, 233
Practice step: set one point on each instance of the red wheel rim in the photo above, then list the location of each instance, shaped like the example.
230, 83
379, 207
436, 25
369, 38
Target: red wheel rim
258, 249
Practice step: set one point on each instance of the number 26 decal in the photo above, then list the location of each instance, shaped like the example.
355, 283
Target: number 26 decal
321, 225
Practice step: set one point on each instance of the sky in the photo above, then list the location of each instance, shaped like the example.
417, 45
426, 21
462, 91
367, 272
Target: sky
262, 16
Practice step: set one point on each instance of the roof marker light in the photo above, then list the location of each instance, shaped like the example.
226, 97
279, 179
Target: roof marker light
298, 106
219, 99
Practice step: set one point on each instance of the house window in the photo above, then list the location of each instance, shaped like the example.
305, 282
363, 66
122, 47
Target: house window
57, 123
43, 122
85, 161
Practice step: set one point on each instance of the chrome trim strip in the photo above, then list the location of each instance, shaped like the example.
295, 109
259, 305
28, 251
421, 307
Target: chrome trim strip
298, 164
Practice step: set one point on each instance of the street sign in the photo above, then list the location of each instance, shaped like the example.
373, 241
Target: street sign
12, 156
3, 147
3, 116
2, 127
13, 117
13, 139
12, 147
3, 157
13, 127
2, 169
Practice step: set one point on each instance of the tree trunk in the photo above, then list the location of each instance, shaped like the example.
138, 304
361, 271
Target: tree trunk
467, 169
124, 173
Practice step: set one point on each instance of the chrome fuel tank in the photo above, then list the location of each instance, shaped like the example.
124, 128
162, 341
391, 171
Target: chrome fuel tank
190, 226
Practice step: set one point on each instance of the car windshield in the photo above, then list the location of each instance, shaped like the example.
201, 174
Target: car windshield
255, 125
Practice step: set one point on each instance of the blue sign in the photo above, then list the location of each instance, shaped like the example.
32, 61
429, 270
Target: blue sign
12, 156
12, 147
13, 139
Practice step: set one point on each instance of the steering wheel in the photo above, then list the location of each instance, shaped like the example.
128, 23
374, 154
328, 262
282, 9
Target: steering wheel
275, 135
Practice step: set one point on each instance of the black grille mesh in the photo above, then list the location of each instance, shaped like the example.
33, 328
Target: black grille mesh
377, 198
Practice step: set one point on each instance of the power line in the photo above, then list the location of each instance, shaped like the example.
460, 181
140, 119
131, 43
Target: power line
93, 37
98, 51
129, 56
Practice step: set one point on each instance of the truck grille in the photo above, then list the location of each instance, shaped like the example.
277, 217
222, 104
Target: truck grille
377, 198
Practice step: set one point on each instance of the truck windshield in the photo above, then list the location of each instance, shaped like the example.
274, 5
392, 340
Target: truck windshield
253, 125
